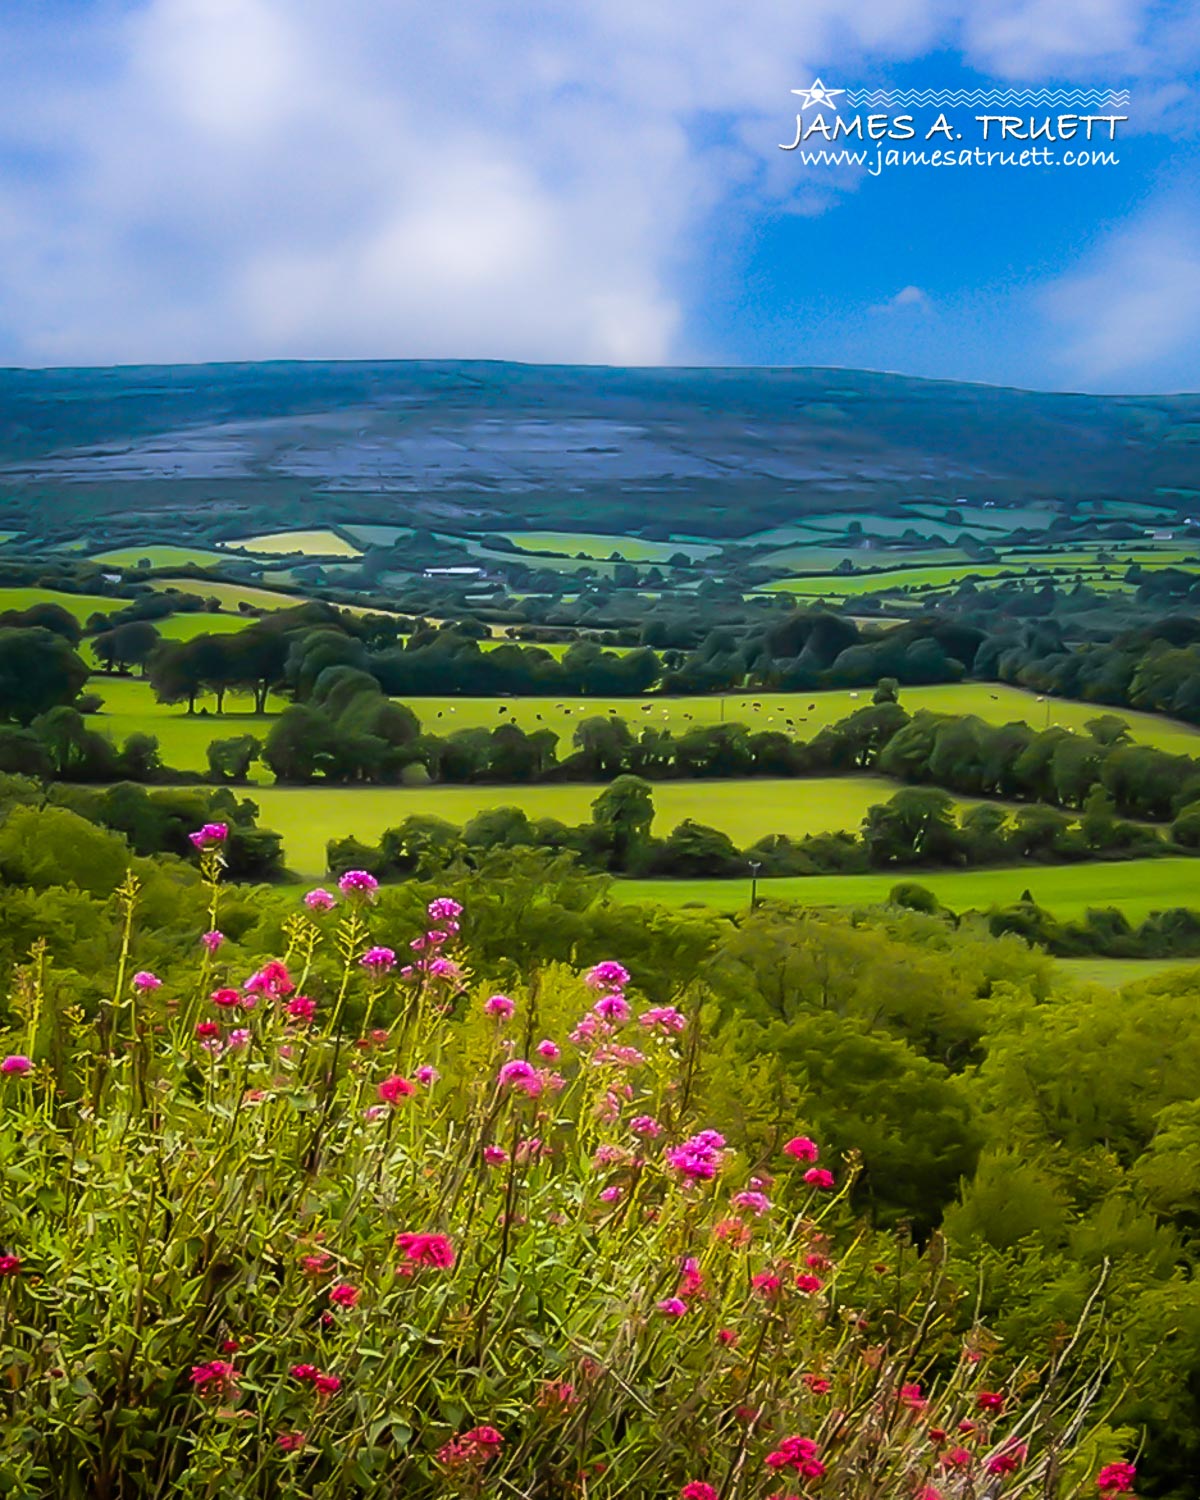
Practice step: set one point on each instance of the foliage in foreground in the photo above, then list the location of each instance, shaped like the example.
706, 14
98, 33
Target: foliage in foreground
352, 1225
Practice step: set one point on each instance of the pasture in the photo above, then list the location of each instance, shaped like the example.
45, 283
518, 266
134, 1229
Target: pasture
229, 595
80, 605
130, 705
601, 547
745, 810
314, 543
157, 556
1137, 887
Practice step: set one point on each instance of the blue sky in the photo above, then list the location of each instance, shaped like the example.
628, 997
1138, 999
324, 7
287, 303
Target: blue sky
586, 181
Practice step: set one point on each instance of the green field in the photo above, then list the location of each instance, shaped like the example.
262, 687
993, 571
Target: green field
1137, 887
1118, 972
315, 543
160, 556
230, 595
79, 605
601, 547
745, 810
130, 705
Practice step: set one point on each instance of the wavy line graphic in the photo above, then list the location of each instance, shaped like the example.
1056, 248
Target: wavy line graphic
956, 98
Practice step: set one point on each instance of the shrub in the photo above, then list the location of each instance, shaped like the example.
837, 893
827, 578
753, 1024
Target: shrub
355, 1225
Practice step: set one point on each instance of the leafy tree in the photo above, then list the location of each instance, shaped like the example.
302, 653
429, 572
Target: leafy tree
622, 814
38, 671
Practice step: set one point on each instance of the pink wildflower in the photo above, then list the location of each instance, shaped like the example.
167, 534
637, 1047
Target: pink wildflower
226, 998
17, 1063
956, 1458
911, 1397
319, 899
10, 1265
766, 1283
495, 1156
819, 1177
426, 1249
612, 1007
697, 1159
378, 960
215, 1378
1116, 1479
301, 1008
1008, 1460
727, 1337
212, 940
696, 1489
343, 1294
663, 1018
672, 1307
608, 975
445, 909
802, 1148
645, 1125
499, 1006
610, 1194
239, 1037
291, 1442
327, 1385
808, 1283
206, 1030
817, 1384
756, 1203
358, 883
990, 1401
394, 1088
798, 1454
519, 1074
548, 1050
144, 980
472, 1450
209, 835
426, 1075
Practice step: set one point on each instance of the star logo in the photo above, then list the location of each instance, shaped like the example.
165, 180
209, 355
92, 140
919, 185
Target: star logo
818, 94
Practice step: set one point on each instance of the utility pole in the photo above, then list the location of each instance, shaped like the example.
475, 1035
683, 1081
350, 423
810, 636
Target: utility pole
755, 867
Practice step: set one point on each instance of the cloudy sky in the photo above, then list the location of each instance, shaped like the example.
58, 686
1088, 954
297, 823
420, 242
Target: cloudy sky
585, 181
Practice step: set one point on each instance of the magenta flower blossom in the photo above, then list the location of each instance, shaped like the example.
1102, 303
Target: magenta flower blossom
610, 1195
672, 1307
613, 1008
212, 940
645, 1125
358, 883
801, 1148
272, 980
549, 1050
499, 1006
608, 975
301, 1008
495, 1156
519, 1074
818, 1177
696, 1489
445, 909
342, 1294
239, 1037
697, 1159
394, 1088
319, 899
756, 1203
16, 1063
209, 835
217, 1377
144, 980
378, 960
426, 1075
807, 1283
663, 1018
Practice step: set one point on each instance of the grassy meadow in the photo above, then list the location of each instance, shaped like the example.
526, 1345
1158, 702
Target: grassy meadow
1138, 887
313, 543
129, 705
745, 810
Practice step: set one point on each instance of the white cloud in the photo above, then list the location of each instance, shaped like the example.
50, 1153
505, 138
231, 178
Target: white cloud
1133, 305
907, 299
388, 178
